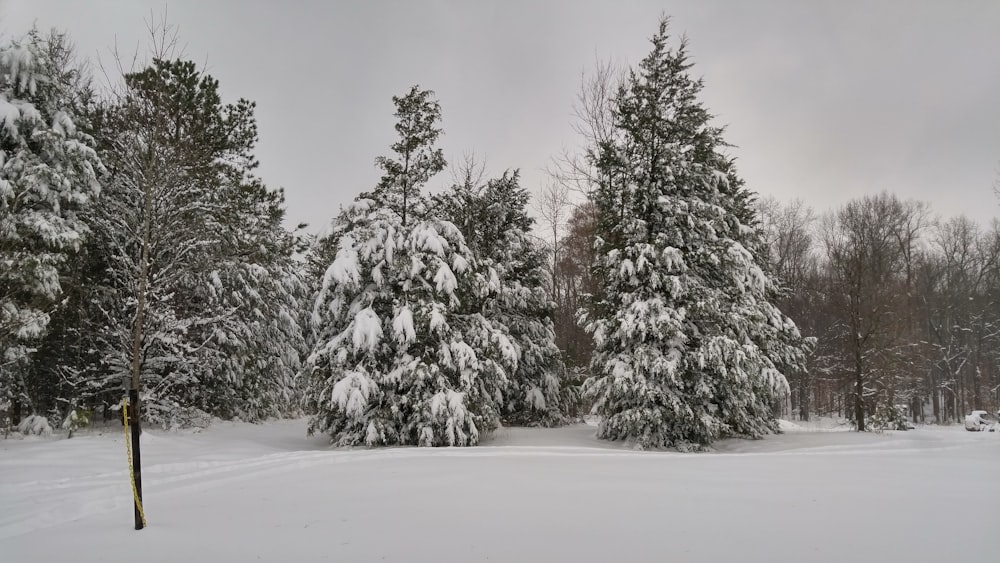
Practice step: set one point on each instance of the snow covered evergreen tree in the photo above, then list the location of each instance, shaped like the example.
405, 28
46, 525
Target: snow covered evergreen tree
688, 344
494, 221
416, 159
257, 346
396, 359
48, 175
199, 264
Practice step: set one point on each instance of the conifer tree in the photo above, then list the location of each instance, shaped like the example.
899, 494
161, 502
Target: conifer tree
416, 159
688, 345
48, 176
396, 359
257, 345
493, 218
199, 264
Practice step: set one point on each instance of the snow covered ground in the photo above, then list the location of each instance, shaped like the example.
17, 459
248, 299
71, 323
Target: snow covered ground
268, 493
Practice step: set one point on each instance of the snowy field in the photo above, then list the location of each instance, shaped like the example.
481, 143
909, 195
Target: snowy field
268, 493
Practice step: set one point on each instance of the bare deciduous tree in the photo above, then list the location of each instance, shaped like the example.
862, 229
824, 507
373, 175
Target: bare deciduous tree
865, 260
594, 122
552, 205
788, 233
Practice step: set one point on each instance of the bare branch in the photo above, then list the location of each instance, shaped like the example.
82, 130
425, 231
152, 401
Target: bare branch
469, 171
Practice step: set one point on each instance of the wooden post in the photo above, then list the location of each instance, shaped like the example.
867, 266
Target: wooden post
133, 416
15, 410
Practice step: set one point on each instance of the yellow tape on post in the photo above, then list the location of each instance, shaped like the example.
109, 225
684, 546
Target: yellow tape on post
131, 471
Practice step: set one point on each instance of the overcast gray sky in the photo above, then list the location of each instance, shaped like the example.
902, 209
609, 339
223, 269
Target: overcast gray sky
825, 100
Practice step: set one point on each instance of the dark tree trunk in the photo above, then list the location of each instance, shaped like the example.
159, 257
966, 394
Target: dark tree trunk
935, 399
804, 389
859, 399
15, 412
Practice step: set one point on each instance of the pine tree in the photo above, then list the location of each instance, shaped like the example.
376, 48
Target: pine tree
396, 358
200, 268
48, 175
494, 221
67, 372
254, 291
416, 159
688, 345
256, 347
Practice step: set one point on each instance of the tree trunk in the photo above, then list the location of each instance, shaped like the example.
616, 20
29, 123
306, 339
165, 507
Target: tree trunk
935, 399
859, 396
406, 181
804, 390
15, 412
137, 338
960, 397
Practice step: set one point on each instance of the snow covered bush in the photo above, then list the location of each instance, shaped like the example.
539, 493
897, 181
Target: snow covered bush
35, 425
76, 419
887, 417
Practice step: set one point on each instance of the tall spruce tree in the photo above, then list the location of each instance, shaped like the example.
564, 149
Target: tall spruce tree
493, 218
48, 176
396, 358
688, 345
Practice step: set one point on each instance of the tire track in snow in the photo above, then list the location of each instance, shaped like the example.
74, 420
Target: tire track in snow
31, 505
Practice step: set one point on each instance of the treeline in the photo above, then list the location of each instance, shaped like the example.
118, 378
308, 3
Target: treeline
899, 308
139, 249
435, 319
904, 305
137, 244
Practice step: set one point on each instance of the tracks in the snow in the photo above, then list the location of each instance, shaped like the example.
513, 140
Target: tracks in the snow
36, 504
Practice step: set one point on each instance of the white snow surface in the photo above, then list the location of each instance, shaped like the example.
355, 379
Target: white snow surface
238, 492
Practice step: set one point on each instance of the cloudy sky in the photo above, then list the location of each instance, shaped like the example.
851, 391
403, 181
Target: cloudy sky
824, 100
